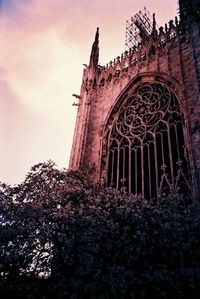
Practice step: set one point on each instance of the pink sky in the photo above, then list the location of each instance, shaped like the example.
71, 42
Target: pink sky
43, 45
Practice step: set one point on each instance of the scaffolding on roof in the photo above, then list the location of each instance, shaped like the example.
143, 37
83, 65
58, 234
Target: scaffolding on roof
138, 28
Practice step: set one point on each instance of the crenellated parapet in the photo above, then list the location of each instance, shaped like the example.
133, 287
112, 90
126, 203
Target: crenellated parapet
163, 40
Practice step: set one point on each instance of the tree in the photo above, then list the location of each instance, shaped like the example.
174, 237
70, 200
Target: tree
62, 237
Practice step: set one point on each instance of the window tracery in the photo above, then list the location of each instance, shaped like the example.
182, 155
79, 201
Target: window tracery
147, 152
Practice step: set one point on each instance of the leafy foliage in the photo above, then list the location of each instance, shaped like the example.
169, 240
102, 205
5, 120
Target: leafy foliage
61, 237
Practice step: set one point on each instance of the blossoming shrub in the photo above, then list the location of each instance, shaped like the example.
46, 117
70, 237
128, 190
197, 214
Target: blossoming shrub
62, 237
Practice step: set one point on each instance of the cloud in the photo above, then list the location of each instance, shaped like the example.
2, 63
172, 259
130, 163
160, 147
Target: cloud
43, 45
36, 81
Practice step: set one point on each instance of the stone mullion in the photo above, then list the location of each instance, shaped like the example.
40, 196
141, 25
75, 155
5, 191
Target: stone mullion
112, 168
142, 166
129, 168
163, 156
149, 170
118, 160
124, 162
156, 162
170, 155
136, 170
177, 145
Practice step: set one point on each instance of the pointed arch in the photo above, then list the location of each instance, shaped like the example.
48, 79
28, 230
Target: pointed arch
148, 127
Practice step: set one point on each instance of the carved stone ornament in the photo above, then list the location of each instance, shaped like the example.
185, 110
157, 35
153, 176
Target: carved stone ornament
147, 153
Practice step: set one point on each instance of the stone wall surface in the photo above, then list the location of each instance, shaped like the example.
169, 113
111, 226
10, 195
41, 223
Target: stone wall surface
173, 56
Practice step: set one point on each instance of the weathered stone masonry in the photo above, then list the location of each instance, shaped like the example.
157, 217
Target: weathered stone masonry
171, 56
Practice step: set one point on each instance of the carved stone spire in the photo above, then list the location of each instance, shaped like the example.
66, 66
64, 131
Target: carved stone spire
94, 56
154, 31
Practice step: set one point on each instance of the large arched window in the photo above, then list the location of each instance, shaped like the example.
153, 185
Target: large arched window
147, 153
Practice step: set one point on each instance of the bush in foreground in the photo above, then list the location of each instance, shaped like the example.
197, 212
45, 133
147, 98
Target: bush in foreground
61, 237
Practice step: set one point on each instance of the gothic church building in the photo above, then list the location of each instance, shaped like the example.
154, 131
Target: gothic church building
138, 120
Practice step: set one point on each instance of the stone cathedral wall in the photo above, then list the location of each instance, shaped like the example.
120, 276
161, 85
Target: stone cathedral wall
172, 54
